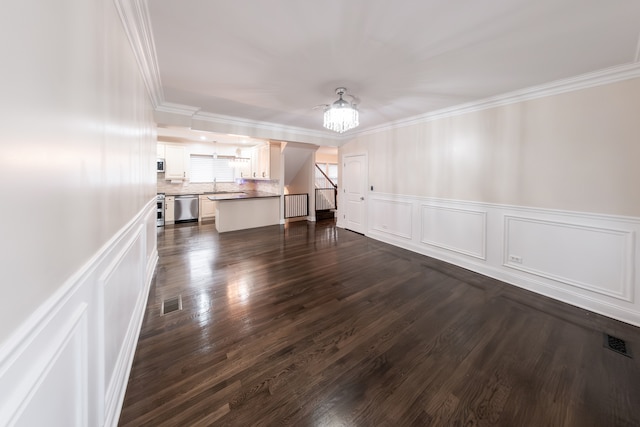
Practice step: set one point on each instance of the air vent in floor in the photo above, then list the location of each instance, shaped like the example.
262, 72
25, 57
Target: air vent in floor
171, 304
617, 344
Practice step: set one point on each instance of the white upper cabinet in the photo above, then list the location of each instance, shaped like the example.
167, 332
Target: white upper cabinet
265, 162
175, 162
244, 171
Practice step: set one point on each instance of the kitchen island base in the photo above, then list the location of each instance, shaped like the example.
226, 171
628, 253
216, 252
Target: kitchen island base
241, 214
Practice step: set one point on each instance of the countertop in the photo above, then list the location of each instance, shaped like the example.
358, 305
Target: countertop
227, 195
240, 195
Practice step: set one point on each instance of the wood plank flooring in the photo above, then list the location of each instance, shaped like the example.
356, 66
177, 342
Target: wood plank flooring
310, 325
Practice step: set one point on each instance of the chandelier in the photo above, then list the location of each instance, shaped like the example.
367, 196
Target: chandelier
341, 115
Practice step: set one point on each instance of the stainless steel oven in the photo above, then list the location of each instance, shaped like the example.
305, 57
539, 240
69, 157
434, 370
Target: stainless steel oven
160, 210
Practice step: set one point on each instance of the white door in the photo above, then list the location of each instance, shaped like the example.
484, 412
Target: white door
355, 188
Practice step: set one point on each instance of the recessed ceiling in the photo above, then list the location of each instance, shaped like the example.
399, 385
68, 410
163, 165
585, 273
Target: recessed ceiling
182, 134
273, 61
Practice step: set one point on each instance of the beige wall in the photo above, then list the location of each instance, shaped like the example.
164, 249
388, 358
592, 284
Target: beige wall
327, 155
576, 151
77, 144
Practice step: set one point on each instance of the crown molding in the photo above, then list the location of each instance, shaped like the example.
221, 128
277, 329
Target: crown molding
583, 81
183, 110
134, 15
135, 18
266, 126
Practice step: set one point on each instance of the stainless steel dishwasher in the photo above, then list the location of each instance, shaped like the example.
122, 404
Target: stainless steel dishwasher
186, 208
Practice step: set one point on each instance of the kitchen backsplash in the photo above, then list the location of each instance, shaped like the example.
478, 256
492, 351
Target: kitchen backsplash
268, 186
197, 188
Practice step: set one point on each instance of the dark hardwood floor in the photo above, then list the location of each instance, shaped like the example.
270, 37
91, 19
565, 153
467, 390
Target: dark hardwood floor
310, 325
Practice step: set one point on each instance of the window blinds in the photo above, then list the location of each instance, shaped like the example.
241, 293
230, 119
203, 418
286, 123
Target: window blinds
206, 168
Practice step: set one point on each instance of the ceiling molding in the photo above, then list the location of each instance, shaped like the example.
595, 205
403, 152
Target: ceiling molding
134, 15
183, 110
583, 81
267, 126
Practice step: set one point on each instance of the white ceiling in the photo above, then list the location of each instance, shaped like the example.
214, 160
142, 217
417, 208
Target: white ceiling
182, 134
274, 60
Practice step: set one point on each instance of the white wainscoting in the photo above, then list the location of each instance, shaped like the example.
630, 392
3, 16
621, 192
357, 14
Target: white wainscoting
584, 259
592, 258
459, 230
391, 217
70, 361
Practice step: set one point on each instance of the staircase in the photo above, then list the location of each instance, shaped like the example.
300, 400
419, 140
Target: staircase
326, 196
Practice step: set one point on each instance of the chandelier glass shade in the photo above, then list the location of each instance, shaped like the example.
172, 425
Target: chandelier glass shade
341, 115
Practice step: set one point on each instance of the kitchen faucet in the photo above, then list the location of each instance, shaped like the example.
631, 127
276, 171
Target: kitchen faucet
215, 190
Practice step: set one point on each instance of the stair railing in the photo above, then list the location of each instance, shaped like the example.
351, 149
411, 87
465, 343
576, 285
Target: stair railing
326, 191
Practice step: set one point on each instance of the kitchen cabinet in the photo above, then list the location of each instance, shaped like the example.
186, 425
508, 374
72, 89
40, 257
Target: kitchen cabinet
240, 214
175, 162
207, 208
169, 212
160, 148
264, 162
269, 161
244, 171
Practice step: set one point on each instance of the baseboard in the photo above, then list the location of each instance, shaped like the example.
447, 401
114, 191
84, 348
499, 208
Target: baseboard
128, 353
583, 259
55, 369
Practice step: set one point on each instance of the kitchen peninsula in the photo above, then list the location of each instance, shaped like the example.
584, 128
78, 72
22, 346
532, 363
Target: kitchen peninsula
248, 209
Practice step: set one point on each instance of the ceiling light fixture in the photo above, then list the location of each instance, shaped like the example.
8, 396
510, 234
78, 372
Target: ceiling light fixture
341, 115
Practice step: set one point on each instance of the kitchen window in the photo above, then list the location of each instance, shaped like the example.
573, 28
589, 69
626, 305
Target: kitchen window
206, 168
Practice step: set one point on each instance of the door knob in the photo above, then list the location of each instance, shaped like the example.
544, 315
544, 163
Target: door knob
361, 198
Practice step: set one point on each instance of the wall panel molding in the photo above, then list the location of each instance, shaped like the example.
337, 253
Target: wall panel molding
593, 258
392, 217
589, 260
62, 353
459, 230
53, 366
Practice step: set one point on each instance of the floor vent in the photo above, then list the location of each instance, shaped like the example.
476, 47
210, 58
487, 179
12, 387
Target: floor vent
617, 344
171, 304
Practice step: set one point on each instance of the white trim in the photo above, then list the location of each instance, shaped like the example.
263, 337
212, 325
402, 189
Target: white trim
268, 126
627, 285
582, 81
483, 214
114, 382
447, 202
611, 299
410, 219
183, 110
114, 395
20, 354
366, 193
22, 336
24, 391
562, 294
134, 15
